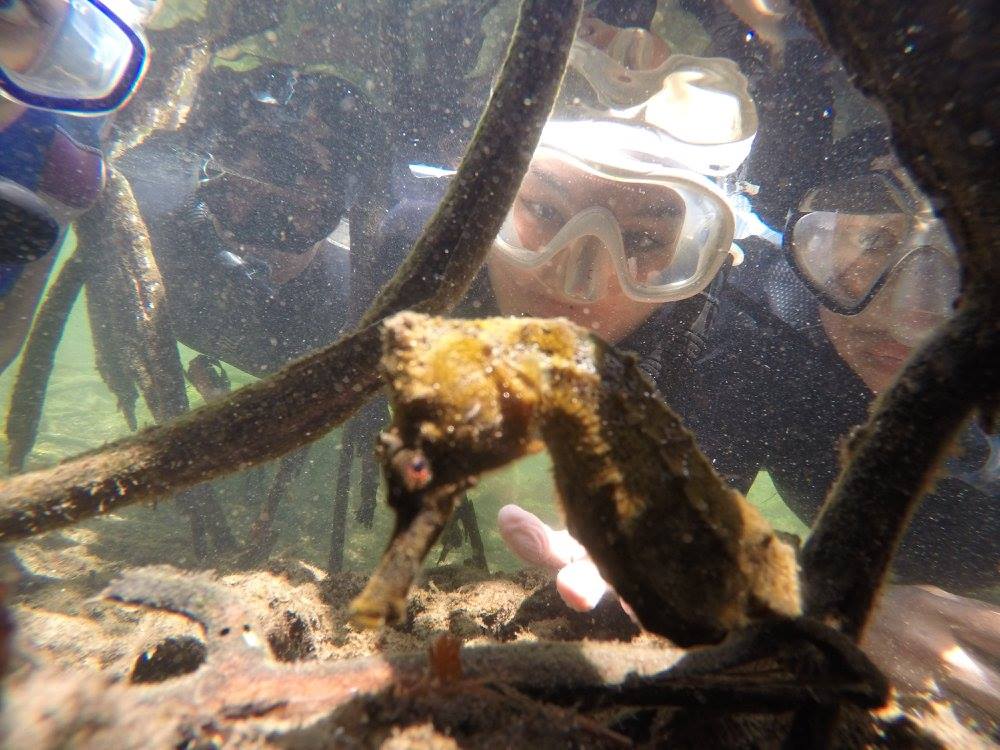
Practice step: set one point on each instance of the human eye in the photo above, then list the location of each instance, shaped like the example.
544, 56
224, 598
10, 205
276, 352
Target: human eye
541, 211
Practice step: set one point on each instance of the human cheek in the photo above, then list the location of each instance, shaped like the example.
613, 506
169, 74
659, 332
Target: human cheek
511, 286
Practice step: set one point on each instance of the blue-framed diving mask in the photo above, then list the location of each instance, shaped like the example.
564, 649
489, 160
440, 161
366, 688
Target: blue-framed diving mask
73, 56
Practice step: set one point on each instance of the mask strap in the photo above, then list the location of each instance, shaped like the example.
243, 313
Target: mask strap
696, 334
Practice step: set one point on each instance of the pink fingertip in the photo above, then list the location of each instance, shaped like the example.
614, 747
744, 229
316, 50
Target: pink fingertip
581, 586
525, 535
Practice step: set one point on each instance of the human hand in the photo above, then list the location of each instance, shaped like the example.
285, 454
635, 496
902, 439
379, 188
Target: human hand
577, 579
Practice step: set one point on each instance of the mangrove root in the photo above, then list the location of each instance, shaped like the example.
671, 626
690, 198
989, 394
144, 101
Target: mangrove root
464, 525
365, 435
131, 287
131, 296
28, 395
931, 66
109, 354
357, 438
892, 461
302, 402
262, 534
341, 499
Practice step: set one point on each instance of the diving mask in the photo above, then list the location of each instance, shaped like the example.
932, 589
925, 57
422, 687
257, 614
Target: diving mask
702, 104
875, 237
285, 206
75, 56
622, 66
663, 231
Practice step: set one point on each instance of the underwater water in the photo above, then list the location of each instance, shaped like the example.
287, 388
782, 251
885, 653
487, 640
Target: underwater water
709, 191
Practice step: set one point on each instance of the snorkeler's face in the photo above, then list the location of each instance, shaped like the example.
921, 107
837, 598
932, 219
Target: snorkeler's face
580, 281
263, 209
881, 265
915, 299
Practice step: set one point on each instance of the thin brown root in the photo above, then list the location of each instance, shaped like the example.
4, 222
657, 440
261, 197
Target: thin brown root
38, 359
262, 533
109, 354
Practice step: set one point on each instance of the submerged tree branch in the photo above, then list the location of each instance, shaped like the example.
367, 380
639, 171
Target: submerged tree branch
28, 396
892, 461
312, 395
929, 65
131, 293
109, 355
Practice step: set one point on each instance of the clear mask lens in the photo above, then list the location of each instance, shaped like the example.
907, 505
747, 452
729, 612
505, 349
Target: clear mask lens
702, 104
623, 67
84, 56
919, 294
848, 257
845, 256
638, 49
584, 270
704, 101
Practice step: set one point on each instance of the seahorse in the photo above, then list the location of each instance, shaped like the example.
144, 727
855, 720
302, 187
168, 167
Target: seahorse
690, 555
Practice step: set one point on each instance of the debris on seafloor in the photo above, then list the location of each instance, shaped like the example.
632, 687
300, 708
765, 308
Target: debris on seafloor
445, 658
228, 689
691, 557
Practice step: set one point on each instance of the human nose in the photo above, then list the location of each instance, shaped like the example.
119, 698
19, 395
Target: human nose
585, 268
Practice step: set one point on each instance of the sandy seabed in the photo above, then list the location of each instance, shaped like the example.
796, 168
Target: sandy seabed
114, 649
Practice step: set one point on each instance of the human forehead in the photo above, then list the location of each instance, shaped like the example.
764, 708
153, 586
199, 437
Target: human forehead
575, 183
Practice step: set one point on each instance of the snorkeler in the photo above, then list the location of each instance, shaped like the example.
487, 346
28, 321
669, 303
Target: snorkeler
240, 205
54, 92
815, 332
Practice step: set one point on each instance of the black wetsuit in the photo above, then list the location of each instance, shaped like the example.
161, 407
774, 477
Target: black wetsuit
775, 396
230, 311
